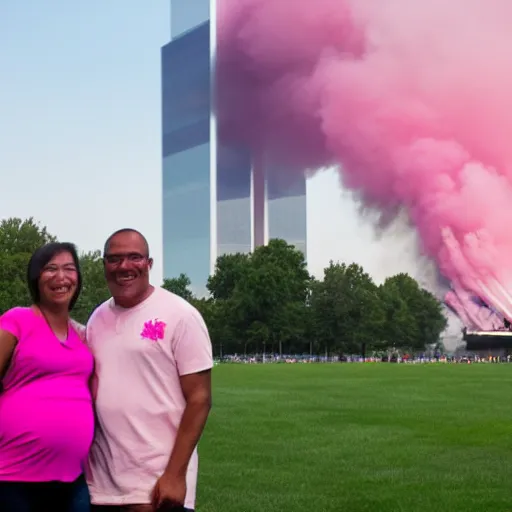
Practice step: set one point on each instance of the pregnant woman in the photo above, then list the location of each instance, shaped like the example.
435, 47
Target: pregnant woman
46, 412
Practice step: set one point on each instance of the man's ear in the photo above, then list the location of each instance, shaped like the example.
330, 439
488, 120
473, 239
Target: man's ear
150, 263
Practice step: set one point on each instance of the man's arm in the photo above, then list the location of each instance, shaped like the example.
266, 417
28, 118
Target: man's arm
197, 391
192, 350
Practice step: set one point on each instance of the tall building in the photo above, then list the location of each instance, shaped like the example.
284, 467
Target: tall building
217, 199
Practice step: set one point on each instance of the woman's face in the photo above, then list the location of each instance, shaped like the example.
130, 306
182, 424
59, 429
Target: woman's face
58, 280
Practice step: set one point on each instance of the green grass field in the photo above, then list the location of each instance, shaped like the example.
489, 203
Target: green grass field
358, 437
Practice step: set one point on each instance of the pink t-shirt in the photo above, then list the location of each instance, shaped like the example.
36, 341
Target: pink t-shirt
46, 412
140, 354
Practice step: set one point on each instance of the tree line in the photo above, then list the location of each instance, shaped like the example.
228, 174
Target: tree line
265, 301
18, 240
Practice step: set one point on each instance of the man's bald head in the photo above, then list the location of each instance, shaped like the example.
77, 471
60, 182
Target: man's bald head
126, 231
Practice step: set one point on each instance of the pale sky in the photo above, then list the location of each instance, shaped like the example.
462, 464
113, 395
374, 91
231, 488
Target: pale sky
80, 135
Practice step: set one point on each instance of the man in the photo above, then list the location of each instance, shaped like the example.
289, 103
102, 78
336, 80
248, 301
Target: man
152, 387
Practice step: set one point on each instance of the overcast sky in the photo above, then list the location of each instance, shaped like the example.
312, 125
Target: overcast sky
80, 139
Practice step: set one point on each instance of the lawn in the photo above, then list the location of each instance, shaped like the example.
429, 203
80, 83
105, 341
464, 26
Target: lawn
358, 437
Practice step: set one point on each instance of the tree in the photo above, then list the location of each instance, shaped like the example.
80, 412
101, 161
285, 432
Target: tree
94, 286
229, 269
19, 236
415, 317
346, 309
13, 281
262, 296
18, 240
216, 314
180, 286
400, 330
312, 335
431, 319
273, 292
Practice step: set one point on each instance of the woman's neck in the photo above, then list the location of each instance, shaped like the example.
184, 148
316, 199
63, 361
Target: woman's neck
57, 319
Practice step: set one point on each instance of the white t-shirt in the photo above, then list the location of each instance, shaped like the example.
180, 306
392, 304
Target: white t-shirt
140, 354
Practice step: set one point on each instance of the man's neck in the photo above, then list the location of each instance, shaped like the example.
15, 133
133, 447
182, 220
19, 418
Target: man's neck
136, 300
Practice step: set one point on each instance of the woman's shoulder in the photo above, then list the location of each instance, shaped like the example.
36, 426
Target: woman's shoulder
17, 320
18, 312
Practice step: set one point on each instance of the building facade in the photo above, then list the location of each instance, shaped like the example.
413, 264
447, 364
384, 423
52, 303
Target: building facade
217, 199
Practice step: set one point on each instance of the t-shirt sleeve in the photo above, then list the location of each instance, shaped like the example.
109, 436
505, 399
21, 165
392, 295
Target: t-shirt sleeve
79, 329
191, 344
11, 321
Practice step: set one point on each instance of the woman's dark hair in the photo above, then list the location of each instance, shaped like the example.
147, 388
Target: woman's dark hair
40, 259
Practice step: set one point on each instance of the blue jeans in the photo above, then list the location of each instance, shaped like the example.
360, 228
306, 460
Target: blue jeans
127, 508
45, 496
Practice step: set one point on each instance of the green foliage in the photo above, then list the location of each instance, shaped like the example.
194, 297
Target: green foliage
19, 236
94, 286
229, 269
268, 297
347, 308
180, 286
18, 240
267, 301
414, 317
264, 301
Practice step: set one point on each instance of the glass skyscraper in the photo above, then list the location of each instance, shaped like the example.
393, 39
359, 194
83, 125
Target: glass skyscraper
217, 199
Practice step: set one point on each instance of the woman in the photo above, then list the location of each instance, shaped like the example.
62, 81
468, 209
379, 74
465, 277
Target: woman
46, 412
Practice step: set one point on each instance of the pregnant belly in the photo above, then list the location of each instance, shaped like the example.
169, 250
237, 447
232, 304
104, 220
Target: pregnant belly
44, 437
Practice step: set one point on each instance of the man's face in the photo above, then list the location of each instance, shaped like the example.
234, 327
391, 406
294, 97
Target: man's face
127, 266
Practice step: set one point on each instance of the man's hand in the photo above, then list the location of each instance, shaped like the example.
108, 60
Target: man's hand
169, 493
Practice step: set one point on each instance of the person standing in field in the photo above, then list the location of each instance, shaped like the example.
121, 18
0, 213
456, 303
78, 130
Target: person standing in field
151, 386
46, 410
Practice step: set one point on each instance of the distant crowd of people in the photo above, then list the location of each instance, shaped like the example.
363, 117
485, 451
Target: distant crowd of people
403, 359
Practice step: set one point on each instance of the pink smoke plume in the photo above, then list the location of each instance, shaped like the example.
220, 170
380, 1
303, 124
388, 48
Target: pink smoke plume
413, 99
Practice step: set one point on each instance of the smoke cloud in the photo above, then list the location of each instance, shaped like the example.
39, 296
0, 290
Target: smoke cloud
413, 99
